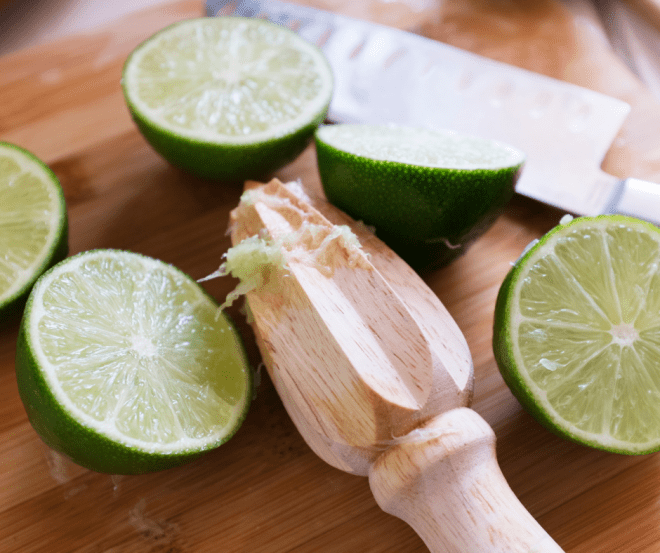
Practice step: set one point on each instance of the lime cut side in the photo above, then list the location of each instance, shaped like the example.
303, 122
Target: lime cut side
125, 364
417, 146
429, 194
227, 97
577, 332
33, 224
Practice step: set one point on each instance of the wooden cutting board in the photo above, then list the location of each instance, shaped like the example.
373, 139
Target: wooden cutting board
264, 491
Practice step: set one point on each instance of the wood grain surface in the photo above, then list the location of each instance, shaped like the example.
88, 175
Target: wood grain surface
265, 490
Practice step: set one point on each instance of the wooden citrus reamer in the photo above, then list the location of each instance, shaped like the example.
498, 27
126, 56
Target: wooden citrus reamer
377, 376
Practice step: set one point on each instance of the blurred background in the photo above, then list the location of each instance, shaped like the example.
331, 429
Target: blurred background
632, 26
24, 23
611, 46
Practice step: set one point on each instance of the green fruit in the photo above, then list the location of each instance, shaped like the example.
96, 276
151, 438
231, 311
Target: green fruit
33, 225
577, 332
227, 98
125, 364
428, 194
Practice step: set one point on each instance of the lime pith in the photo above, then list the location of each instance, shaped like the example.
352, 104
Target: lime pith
227, 98
577, 332
125, 365
428, 194
33, 224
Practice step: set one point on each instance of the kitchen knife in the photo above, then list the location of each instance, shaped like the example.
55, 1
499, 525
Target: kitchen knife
385, 75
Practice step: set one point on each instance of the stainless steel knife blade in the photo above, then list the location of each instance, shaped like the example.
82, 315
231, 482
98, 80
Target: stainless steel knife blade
385, 75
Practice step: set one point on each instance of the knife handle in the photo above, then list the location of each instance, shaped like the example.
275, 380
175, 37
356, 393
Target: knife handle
638, 198
443, 479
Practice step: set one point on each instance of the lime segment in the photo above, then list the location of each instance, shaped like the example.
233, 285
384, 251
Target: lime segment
428, 194
33, 223
227, 97
125, 364
577, 332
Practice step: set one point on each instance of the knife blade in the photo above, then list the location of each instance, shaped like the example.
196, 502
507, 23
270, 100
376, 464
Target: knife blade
389, 76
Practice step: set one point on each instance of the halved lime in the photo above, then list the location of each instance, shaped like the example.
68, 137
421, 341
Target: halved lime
227, 97
577, 332
429, 194
125, 364
33, 224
